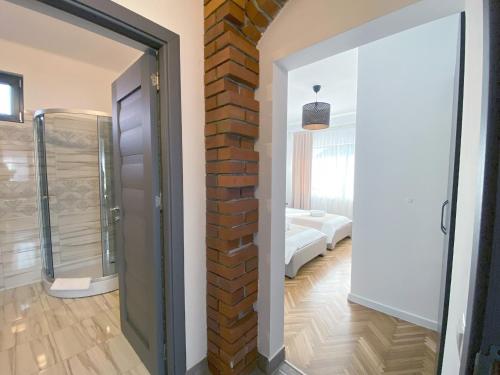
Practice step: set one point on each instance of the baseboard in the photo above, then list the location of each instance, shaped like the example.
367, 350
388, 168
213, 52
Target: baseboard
268, 366
404, 315
201, 368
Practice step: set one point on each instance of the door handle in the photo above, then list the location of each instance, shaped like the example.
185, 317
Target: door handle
443, 206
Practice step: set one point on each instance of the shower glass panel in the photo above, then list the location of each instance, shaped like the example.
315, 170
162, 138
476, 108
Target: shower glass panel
74, 169
105, 131
43, 198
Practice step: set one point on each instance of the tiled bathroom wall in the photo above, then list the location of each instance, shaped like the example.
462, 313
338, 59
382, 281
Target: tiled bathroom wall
73, 184
19, 234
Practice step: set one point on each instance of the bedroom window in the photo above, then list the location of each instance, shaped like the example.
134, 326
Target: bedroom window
332, 176
11, 97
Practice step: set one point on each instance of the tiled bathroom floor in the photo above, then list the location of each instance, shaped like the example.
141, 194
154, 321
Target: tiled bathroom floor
40, 334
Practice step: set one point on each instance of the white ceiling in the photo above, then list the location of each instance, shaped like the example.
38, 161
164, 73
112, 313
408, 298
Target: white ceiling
338, 77
31, 28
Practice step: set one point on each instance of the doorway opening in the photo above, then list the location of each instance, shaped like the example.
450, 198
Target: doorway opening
92, 160
383, 173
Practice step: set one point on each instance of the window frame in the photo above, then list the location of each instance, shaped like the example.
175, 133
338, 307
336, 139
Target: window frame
15, 81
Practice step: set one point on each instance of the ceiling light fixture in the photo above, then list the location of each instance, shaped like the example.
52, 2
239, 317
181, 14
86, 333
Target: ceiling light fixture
316, 116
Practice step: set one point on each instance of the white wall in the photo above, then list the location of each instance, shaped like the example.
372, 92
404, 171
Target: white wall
186, 19
293, 30
405, 114
54, 81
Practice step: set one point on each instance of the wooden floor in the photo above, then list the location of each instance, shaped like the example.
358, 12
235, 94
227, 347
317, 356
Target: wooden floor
326, 334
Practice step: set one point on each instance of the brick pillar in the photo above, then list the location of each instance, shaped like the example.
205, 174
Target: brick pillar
232, 29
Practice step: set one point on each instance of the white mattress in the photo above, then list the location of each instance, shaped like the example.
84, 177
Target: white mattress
298, 237
336, 227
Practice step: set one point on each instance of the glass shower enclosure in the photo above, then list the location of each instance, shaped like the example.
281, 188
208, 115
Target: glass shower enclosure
74, 166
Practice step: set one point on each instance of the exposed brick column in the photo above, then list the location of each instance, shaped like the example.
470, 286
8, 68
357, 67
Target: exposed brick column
232, 29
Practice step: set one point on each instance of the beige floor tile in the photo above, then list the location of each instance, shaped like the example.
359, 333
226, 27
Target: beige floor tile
57, 369
23, 299
72, 340
138, 370
60, 317
23, 294
94, 361
114, 315
34, 356
30, 309
113, 299
107, 301
7, 338
121, 353
10, 312
43, 335
50, 303
7, 362
27, 329
22, 309
83, 308
100, 327
3, 321
2, 298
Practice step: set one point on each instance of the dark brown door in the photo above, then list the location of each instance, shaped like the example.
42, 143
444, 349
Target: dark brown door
137, 189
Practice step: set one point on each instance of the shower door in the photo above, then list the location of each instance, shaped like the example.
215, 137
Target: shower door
43, 197
74, 169
108, 215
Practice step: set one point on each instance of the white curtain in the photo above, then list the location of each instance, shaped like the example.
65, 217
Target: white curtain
301, 170
332, 177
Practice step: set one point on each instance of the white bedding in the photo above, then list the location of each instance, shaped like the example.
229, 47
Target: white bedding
291, 212
297, 237
336, 227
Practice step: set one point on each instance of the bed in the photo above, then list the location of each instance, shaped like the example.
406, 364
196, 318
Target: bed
302, 244
336, 227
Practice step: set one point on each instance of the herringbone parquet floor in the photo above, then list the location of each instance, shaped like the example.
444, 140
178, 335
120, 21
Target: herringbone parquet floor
327, 334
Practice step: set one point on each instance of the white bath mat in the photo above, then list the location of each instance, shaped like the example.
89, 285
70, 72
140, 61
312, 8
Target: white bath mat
74, 283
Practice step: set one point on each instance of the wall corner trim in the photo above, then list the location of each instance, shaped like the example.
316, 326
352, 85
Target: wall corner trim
201, 368
392, 311
268, 366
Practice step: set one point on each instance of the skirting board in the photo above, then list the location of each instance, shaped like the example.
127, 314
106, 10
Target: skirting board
268, 366
403, 315
265, 365
201, 368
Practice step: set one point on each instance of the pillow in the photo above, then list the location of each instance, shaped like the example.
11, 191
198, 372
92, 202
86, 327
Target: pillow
318, 213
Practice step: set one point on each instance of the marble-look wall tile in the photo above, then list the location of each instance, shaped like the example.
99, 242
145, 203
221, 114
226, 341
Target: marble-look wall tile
19, 233
74, 198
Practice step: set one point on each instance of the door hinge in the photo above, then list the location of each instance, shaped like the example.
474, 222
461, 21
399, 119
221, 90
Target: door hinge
158, 202
486, 363
155, 80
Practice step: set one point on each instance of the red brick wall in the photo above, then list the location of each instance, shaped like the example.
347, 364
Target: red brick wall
232, 30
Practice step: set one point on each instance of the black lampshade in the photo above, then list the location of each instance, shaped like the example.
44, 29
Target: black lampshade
316, 115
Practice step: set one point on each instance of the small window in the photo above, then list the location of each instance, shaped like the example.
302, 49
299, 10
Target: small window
11, 97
